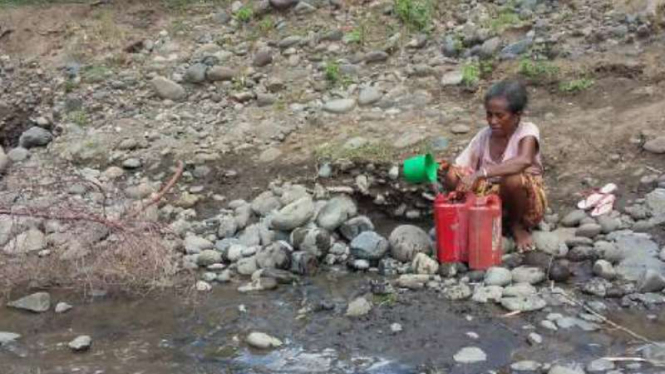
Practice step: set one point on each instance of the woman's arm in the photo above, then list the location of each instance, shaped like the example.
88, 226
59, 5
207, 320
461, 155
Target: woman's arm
528, 148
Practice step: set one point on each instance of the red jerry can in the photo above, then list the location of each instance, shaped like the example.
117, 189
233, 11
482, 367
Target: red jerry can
451, 222
485, 238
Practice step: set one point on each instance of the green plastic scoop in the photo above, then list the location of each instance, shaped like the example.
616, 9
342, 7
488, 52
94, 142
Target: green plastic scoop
420, 169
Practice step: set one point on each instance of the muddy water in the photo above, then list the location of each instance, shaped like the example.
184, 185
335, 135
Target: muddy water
168, 335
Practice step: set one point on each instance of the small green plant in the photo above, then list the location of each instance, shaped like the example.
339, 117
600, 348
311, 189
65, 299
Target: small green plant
239, 83
505, 19
576, 85
79, 117
95, 73
415, 14
244, 14
266, 25
471, 74
332, 72
389, 299
353, 37
70, 86
537, 70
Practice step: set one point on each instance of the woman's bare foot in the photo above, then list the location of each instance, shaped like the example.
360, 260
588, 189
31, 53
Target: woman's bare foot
523, 239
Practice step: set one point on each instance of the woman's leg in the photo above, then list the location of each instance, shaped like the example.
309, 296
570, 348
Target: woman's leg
520, 206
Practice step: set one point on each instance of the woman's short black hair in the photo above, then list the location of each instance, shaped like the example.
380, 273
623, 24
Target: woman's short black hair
513, 91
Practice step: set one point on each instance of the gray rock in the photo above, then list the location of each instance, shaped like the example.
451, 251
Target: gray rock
62, 307
452, 78
38, 302
407, 240
369, 96
637, 255
35, 137
247, 266
339, 106
535, 339
490, 47
263, 57
369, 246
260, 340
590, 230
266, 203
417, 281
275, 256
604, 269
460, 129
423, 264
289, 42
655, 201
574, 218
656, 145
519, 290
596, 286
470, 355
528, 366
512, 51
220, 73
131, 163
551, 243
360, 265
168, 89
460, 291
196, 73
8, 338
228, 226
497, 276
81, 343
355, 226
294, 215
315, 241
600, 365
208, 257
270, 154
651, 281
358, 307
18, 154
251, 236
531, 275
487, 294
32, 240
234, 252
376, 56
195, 244
609, 224
281, 276
523, 304
559, 369
336, 211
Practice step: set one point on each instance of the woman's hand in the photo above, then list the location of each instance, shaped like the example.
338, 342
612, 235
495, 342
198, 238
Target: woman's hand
467, 182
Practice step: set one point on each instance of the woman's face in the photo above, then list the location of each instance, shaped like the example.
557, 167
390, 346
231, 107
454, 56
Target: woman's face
499, 117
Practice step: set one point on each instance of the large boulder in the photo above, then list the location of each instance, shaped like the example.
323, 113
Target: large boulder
294, 215
336, 211
407, 240
369, 246
316, 241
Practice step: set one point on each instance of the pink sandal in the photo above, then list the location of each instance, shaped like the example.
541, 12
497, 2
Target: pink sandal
597, 196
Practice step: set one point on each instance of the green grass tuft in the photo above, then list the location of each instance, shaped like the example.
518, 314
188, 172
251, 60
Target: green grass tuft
415, 14
576, 85
244, 14
538, 69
